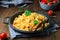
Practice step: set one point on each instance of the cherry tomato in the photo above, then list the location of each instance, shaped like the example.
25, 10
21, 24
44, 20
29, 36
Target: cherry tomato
50, 12
0, 39
49, 3
3, 35
44, 1
0, 36
54, 1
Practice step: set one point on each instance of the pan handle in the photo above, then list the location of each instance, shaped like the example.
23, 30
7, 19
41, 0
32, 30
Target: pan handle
5, 20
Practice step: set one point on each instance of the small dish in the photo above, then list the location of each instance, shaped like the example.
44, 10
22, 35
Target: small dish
48, 7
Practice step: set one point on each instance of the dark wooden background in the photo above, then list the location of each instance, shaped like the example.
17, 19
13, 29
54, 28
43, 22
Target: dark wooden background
35, 6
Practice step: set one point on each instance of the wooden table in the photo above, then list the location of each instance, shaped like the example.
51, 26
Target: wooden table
12, 10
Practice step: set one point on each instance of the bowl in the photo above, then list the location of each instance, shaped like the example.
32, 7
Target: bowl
48, 7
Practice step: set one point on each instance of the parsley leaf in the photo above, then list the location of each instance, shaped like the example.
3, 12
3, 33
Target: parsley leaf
35, 22
27, 13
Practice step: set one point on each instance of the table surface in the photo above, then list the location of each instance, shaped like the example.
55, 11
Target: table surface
12, 10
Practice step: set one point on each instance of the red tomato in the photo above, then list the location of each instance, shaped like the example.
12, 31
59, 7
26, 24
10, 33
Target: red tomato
0, 36
3, 35
0, 39
50, 12
54, 1
49, 3
44, 1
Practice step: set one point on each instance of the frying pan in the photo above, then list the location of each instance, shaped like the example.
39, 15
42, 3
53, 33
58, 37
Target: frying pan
11, 19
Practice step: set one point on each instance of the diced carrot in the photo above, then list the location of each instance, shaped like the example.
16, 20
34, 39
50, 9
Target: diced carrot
30, 24
33, 29
15, 23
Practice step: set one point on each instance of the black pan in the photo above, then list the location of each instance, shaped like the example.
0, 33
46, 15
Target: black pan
11, 19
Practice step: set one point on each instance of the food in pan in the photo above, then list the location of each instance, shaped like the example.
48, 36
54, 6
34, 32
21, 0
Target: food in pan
29, 21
